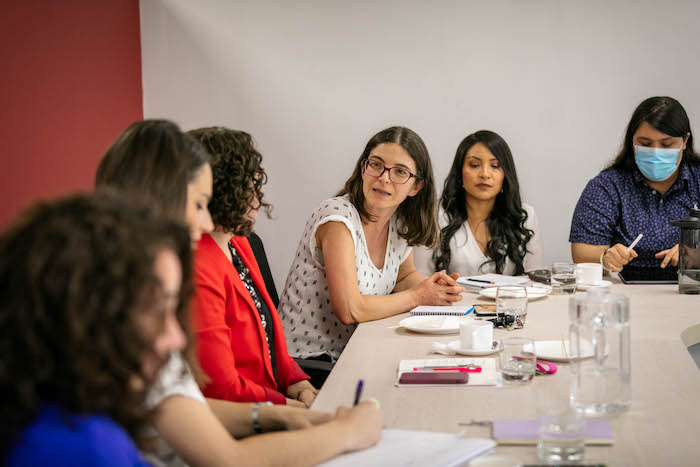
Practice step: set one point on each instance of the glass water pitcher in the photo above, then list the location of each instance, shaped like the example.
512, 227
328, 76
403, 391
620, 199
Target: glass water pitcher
599, 350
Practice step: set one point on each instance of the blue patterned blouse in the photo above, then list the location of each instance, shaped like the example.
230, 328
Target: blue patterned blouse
616, 206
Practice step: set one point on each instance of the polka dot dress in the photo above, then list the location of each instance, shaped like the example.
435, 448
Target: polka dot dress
310, 327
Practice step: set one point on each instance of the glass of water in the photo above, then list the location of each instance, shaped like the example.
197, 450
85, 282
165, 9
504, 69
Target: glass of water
518, 360
511, 305
564, 278
561, 428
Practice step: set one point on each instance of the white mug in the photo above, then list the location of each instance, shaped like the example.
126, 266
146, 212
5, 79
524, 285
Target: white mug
475, 334
589, 273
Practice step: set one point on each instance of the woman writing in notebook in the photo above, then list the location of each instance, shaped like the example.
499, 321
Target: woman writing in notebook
485, 227
154, 161
654, 180
354, 262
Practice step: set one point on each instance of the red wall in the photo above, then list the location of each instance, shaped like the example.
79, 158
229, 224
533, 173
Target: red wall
70, 81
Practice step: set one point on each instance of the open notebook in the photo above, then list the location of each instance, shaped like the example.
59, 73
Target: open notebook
491, 280
416, 448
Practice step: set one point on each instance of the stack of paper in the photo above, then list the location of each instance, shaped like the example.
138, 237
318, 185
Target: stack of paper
417, 448
491, 280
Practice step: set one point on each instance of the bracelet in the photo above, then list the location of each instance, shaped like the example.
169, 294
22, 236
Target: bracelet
601, 260
255, 414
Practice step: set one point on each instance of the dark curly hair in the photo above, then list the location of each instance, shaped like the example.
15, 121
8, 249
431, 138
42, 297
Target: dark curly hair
418, 220
505, 223
73, 273
238, 177
664, 114
153, 160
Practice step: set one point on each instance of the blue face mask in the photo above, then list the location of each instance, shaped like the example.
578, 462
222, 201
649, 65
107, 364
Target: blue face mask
656, 164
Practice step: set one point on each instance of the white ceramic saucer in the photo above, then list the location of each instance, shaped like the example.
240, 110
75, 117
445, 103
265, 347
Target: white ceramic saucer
584, 286
533, 293
431, 324
454, 346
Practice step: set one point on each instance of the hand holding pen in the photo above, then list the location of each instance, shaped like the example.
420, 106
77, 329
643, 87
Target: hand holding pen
617, 256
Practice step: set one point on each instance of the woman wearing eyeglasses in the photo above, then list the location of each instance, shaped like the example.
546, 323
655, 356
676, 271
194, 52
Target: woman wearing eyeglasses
354, 262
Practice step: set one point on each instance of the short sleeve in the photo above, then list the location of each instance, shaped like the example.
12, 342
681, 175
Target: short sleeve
174, 379
337, 209
596, 213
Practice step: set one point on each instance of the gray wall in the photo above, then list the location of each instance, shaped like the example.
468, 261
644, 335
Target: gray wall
312, 81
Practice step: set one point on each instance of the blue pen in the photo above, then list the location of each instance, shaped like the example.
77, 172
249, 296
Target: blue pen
358, 392
470, 310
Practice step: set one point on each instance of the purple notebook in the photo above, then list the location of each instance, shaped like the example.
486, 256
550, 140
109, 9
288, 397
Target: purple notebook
526, 431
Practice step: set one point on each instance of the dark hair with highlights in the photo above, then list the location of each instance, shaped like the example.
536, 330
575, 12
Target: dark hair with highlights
238, 177
74, 275
664, 114
505, 223
416, 215
153, 160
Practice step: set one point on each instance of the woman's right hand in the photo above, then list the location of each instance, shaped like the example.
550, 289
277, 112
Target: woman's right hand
363, 424
439, 289
295, 403
616, 257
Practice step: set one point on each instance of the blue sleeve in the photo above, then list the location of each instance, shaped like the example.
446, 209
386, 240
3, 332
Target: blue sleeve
597, 213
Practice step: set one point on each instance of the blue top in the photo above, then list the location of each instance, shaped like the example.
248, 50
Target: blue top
616, 206
57, 437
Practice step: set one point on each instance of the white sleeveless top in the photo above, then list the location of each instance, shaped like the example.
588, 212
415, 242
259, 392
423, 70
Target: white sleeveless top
467, 258
310, 327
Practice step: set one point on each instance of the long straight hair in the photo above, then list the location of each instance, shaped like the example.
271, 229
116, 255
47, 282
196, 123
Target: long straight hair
664, 114
417, 214
505, 223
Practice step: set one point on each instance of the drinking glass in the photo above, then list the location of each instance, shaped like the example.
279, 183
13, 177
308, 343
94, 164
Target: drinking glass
511, 304
564, 278
561, 428
518, 360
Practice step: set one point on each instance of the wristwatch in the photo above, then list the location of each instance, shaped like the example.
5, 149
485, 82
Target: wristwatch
255, 414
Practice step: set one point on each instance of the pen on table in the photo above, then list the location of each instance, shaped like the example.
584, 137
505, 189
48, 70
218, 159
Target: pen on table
480, 280
358, 392
469, 311
634, 243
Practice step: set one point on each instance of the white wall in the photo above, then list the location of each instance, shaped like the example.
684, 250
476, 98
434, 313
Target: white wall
312, 81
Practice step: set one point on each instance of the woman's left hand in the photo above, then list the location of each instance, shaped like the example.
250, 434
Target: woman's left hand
307, 396
669, 256
303, 391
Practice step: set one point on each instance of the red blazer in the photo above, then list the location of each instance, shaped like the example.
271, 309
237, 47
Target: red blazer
231, 342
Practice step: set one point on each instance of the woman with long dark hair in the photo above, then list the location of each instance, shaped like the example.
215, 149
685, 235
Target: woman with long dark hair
354, 262
485, 227
654, 179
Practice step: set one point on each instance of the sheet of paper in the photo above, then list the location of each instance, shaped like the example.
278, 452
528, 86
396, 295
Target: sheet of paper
487, 377
429, 310
416, 448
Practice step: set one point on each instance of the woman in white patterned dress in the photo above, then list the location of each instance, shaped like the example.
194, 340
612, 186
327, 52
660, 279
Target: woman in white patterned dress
354, 262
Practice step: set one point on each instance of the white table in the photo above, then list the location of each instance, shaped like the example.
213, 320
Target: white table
661, 428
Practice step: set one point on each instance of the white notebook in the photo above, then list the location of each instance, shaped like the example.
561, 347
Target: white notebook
491, 280
428, 310
416, 448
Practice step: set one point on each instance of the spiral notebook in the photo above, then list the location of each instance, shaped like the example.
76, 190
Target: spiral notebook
427, 310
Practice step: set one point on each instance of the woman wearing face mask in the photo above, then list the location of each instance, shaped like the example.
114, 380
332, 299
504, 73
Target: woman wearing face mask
153, 160
354, 262
90, 302
654, 179
485, 228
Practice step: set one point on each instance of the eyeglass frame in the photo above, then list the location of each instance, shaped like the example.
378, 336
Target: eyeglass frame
365, 162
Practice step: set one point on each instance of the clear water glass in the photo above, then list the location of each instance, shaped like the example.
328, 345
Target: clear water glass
511, 302
517, 360
561, 437
564, 278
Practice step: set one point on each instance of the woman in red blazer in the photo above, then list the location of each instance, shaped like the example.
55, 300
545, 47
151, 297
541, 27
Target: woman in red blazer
241, 342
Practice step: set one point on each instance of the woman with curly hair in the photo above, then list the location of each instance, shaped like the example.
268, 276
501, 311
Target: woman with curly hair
159, 148
90, 303
354, 262
485, 228
241, 342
